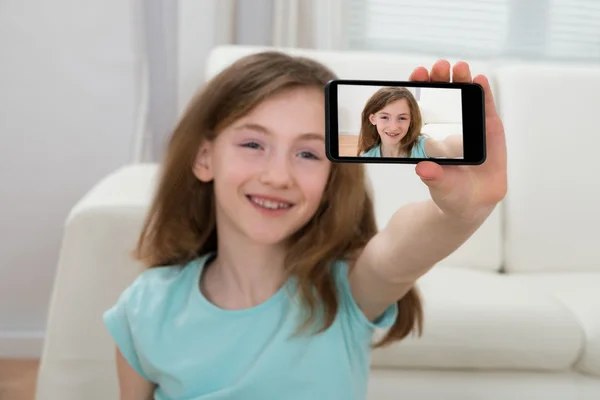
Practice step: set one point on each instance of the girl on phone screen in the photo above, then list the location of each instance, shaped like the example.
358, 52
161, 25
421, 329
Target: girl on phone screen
391, 124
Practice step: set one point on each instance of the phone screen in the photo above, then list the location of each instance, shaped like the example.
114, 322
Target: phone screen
407, 122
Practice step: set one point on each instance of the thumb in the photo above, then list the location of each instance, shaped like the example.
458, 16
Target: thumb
437, 178
432, 174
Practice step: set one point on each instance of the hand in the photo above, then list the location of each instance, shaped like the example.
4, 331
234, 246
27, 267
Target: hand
467, 192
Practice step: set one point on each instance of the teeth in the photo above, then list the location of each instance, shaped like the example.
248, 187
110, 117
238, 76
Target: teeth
272, 205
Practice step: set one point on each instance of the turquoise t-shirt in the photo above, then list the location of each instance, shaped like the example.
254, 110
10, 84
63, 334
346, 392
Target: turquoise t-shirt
418, 150
193, 350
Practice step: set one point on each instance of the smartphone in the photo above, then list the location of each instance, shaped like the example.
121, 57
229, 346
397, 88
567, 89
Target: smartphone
405, 122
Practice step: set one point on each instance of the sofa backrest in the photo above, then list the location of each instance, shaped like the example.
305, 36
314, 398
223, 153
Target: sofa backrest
394, 185
552, 123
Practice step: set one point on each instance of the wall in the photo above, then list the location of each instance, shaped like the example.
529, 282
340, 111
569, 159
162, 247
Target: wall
71, 78
196, 36
208, 23
254, 22
67, 116
160, 45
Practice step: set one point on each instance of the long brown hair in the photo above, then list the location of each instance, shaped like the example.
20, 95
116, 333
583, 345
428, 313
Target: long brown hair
181, 224
369, 136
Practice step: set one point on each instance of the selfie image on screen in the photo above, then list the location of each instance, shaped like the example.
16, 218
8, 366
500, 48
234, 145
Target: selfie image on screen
393, 121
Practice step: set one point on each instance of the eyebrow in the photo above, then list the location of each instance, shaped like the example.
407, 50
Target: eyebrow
261, 129
383, 112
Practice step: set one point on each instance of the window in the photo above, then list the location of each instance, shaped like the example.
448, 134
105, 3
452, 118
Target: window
549, 29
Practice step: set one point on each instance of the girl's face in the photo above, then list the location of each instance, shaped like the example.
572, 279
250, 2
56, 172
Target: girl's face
269, 168
392, 121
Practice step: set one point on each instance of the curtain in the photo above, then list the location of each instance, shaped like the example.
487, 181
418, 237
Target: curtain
293, 24
532, 29
179, 35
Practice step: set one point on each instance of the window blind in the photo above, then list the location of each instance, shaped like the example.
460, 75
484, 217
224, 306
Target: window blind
574, 29
551, 29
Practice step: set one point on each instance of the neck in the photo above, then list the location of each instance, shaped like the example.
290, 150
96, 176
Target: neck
390, 151
244, 274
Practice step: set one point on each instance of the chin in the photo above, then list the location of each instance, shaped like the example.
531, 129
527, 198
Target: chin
267, 236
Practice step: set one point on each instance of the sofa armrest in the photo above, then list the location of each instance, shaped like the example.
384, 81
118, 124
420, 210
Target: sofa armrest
95, 266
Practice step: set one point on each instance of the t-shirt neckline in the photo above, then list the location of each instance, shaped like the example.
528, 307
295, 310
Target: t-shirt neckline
222, 312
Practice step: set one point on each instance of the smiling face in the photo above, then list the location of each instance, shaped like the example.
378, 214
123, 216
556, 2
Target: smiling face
392, 121
269, 167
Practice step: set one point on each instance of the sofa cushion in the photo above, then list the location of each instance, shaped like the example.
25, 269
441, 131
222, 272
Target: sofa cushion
388, 384
579, 294
483, 320
440, 106
552, 128
442, 130
396, 185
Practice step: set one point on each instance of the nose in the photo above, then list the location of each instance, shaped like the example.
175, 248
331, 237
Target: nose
277, 172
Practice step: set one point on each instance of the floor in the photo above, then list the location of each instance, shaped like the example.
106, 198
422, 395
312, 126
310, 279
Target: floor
17, 379
348, 145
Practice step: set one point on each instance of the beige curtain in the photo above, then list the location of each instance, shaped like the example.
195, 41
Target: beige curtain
294, 23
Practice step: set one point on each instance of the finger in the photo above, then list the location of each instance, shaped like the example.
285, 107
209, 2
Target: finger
420, 74
490, 105
461, 72
429, 172
438, 179
440, 72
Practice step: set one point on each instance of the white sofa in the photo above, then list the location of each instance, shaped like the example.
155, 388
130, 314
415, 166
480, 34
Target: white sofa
513, 314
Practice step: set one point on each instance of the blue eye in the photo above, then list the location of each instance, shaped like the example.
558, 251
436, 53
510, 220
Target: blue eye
252, 145
309, 155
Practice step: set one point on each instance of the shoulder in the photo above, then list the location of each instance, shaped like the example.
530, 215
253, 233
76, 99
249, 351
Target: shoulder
340, 272
158, 286
427, 146
161, 279
372, 152
146, 305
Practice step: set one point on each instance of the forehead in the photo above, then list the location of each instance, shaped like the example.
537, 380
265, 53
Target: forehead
291, 112
396, 107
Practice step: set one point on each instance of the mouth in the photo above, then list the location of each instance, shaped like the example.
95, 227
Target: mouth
270, 203
392, 135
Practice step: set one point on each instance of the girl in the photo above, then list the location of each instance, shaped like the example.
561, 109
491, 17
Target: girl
391, 125
267, 275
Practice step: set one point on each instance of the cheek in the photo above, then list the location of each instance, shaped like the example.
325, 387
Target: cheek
233, 167
313, 184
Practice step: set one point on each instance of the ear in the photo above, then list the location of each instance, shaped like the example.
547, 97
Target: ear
372, 119
202, 163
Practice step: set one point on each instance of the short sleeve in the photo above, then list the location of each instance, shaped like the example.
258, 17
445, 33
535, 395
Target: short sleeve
118, 323
421, 146
372, 152
385, 320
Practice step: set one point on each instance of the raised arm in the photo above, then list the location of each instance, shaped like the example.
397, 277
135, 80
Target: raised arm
450, 147
131, 385
416, 238
421, 234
